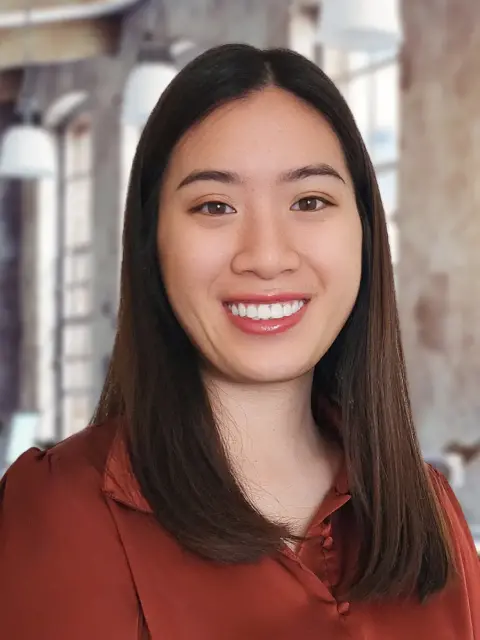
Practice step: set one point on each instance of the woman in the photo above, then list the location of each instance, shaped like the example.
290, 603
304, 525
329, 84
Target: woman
253, 471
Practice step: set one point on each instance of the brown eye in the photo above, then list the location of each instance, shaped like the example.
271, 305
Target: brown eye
214, 208
309, 204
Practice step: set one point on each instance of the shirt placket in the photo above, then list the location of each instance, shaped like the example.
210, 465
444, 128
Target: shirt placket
316, 562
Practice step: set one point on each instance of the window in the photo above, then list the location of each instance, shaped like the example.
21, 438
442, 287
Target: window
75, 408
77, 342
76, 318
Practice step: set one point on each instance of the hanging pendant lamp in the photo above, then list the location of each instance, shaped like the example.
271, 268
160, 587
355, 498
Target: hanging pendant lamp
143, 88
27, 151
371, 26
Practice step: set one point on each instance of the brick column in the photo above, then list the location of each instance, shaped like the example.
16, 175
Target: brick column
439, 224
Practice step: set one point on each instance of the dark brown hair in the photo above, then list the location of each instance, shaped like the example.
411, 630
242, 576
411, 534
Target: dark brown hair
155, 383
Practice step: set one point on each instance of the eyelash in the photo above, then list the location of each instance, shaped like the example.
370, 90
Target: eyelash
198, 208
324, 201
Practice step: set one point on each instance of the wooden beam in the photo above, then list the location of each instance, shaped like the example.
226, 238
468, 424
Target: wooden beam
15, 5
262, 23
61, 42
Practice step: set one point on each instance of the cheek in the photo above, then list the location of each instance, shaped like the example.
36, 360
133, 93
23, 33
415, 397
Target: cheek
190, 266
336, 255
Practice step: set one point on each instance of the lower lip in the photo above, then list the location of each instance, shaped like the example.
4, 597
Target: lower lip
266, 327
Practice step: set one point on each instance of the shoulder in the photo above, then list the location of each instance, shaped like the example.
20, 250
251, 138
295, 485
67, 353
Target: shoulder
80, 458
452, 509
464, 546
62, 480
57, 536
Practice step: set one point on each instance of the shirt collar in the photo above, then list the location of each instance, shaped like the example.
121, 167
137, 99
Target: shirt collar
120, 483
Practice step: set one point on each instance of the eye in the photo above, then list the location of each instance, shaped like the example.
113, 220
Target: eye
310, 203
214, 208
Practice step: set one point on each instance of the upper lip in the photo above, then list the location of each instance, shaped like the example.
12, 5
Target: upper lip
266, 298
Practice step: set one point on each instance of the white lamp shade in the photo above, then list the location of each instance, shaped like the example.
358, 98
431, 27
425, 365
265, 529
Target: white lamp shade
370, 26
143, 88
27, 152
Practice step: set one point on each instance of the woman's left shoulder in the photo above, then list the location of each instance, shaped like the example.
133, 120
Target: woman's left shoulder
462, 536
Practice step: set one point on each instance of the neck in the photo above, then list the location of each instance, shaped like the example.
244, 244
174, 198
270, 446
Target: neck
266, 426
275, 449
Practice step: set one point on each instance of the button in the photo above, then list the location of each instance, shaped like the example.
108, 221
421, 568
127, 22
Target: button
328, 543
326, 527
343, 608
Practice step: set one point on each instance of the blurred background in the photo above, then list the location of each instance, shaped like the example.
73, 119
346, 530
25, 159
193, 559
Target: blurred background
78, 79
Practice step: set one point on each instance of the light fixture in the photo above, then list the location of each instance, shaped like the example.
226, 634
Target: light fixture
371, 26
27, 152
143, 88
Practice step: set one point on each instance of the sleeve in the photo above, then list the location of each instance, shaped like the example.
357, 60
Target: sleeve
467, 554
63, 572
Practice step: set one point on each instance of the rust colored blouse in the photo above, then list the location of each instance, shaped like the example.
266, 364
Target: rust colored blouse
81, 557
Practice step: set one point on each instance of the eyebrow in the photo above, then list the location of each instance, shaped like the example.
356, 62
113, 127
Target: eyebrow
310, 170
230, 177
226, 177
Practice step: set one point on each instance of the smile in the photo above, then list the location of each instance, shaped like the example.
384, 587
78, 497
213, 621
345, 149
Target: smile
274, 311
266, 317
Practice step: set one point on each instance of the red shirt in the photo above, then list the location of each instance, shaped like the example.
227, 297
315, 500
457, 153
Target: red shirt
81, 557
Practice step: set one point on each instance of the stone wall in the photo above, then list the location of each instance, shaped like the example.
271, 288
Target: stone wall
439, 224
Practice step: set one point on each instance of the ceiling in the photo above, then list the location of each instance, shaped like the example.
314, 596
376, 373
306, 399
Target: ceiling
48, 31
15, 5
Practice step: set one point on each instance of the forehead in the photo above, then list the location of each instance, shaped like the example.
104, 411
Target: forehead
265, 133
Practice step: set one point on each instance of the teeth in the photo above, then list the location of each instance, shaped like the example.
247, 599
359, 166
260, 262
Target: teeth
252, 311
266, 311
277, 310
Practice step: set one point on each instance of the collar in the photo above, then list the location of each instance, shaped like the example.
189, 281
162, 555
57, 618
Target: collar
120, 483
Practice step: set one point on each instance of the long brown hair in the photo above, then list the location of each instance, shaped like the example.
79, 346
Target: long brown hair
154, 380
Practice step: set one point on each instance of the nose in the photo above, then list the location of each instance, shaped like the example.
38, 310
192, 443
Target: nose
266, 246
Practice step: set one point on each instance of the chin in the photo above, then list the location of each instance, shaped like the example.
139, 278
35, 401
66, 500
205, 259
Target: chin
273, 372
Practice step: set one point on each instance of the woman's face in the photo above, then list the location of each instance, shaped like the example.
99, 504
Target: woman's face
259, 237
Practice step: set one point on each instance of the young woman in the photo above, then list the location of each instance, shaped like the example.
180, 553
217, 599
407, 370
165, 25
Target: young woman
253, 471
